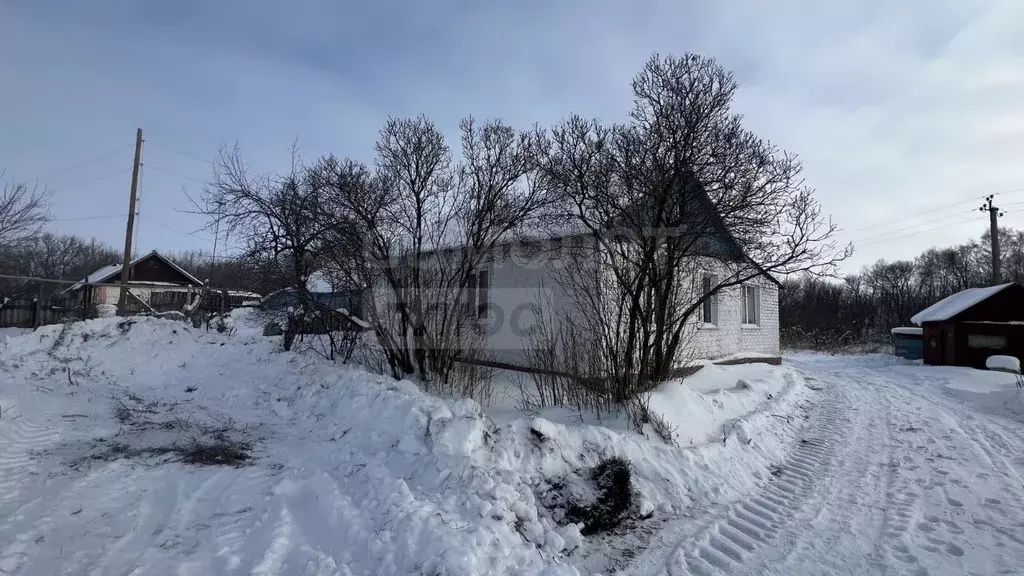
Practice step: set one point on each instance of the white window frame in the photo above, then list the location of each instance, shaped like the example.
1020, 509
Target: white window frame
477, 302
709, 308
750, 318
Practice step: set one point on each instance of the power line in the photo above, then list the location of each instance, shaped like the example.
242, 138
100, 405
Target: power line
938, 209
933, 210
86, 162
884, 240
882, 234
103, 217
180, 153
172, 173
193, 234
97, 178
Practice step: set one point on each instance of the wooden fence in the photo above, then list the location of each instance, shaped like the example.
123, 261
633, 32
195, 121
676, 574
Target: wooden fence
31, 312
27, 310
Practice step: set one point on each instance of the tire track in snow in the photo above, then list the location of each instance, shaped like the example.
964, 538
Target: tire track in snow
749, 526
21, 438
239, 522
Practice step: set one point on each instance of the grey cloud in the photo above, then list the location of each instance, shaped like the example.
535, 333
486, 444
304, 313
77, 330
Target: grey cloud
894, 107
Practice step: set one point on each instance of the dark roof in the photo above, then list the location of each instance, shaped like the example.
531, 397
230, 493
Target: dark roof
954, 305
107, 273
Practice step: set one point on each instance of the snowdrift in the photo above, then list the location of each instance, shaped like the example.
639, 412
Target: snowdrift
352, 473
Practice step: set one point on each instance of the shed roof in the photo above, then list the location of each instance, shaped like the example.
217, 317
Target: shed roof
107, 272
952, 305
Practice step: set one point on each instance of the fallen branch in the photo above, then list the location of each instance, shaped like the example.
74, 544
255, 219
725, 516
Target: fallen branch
786, 418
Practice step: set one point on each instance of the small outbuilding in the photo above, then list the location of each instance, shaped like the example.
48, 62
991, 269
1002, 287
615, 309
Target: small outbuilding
907, 342
966, 328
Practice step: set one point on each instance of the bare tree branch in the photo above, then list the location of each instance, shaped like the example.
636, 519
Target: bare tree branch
23, 212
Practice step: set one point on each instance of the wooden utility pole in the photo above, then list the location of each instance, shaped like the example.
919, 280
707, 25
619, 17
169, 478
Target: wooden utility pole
122, 298
994, 213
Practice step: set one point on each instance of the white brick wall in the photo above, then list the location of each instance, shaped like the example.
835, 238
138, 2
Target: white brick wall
730, 336
520, 277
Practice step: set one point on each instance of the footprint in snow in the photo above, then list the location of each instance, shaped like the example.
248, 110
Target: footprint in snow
953, 501
953, 527
954, 550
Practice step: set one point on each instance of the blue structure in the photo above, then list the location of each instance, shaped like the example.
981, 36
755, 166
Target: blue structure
908, 342
282, 299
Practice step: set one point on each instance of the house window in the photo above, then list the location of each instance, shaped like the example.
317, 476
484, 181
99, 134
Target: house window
470, 293
709, 308
752, 305
483, 289
986, 341
478, 286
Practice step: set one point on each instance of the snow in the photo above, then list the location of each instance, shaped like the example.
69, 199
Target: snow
11, 332
952, 305
747, 356
908, 330
826, 464
353, 318
102, 273
894, 474
1009, 322
1005, 363
318, 282
353, 473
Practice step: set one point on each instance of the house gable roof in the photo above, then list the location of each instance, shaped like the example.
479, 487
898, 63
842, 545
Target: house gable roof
955, 304
108, 272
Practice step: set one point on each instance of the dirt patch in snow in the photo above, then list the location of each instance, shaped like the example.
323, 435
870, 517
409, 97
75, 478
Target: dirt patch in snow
155, 432
220, 451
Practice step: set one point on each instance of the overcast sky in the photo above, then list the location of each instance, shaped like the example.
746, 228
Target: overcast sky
896, 108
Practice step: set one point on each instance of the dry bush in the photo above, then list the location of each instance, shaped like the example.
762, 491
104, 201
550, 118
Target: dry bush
221, 451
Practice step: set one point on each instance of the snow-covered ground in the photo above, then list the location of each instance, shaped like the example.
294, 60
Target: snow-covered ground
10, 332
351, 473
825, 465
904, 469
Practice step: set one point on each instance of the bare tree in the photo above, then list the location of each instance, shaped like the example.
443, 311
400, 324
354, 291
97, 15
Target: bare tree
278, 222
424, 223
23, 212
678, 192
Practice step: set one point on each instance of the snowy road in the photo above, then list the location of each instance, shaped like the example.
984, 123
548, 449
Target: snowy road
893, 477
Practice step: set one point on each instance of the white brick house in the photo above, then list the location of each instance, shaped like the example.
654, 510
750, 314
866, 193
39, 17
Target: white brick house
517, 276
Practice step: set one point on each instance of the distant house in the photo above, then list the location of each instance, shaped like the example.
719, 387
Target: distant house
154, 281
966, 328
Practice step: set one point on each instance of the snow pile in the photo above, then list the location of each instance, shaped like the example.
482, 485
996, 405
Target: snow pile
352, 474
11, 332
1004, 363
